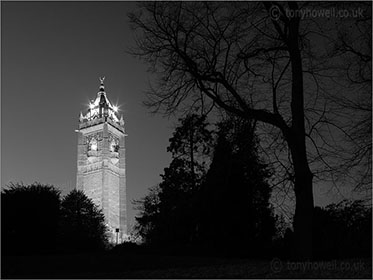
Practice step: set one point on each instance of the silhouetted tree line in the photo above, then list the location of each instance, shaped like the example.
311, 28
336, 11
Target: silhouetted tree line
340, 230
214, 199
214, 196
343, 229
36, 220
301, 78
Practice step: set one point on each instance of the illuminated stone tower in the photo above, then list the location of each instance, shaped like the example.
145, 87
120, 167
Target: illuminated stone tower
101, 162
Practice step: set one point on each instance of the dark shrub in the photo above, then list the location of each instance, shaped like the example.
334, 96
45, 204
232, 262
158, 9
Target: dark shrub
343, 230
29, 219
82, 225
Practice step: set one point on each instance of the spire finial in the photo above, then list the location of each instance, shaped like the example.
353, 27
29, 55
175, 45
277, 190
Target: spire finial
102, 88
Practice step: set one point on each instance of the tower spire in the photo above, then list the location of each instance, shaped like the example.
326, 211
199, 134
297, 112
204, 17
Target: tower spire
101, 106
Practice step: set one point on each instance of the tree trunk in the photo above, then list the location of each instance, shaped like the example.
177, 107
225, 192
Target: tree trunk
191, 139
297, 144
304, 204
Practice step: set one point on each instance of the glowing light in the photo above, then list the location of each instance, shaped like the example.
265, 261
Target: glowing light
91, 106
94, 146
115, 108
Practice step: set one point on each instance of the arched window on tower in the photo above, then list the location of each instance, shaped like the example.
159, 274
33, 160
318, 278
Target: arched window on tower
93, 145
114, 147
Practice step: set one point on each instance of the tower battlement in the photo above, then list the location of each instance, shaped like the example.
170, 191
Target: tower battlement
94, 122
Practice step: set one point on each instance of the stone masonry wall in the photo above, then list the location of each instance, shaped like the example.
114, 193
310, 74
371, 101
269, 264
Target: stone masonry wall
100, 179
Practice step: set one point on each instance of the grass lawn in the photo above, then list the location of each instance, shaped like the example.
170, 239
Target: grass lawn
154, 266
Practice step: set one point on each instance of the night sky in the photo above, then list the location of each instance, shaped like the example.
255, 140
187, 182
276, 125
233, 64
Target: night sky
53, 54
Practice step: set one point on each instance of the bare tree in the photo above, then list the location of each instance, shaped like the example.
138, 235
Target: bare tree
256, 61
354, 47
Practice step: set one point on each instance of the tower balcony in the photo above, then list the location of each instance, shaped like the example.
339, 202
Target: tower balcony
116, 125
88, 123
96, 121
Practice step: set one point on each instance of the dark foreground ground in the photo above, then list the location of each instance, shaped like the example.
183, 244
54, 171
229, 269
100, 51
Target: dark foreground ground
153, 266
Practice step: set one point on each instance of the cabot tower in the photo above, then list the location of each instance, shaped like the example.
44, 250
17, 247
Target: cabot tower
101, 164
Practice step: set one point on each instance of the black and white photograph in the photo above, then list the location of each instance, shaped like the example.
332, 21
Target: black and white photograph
186, 140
